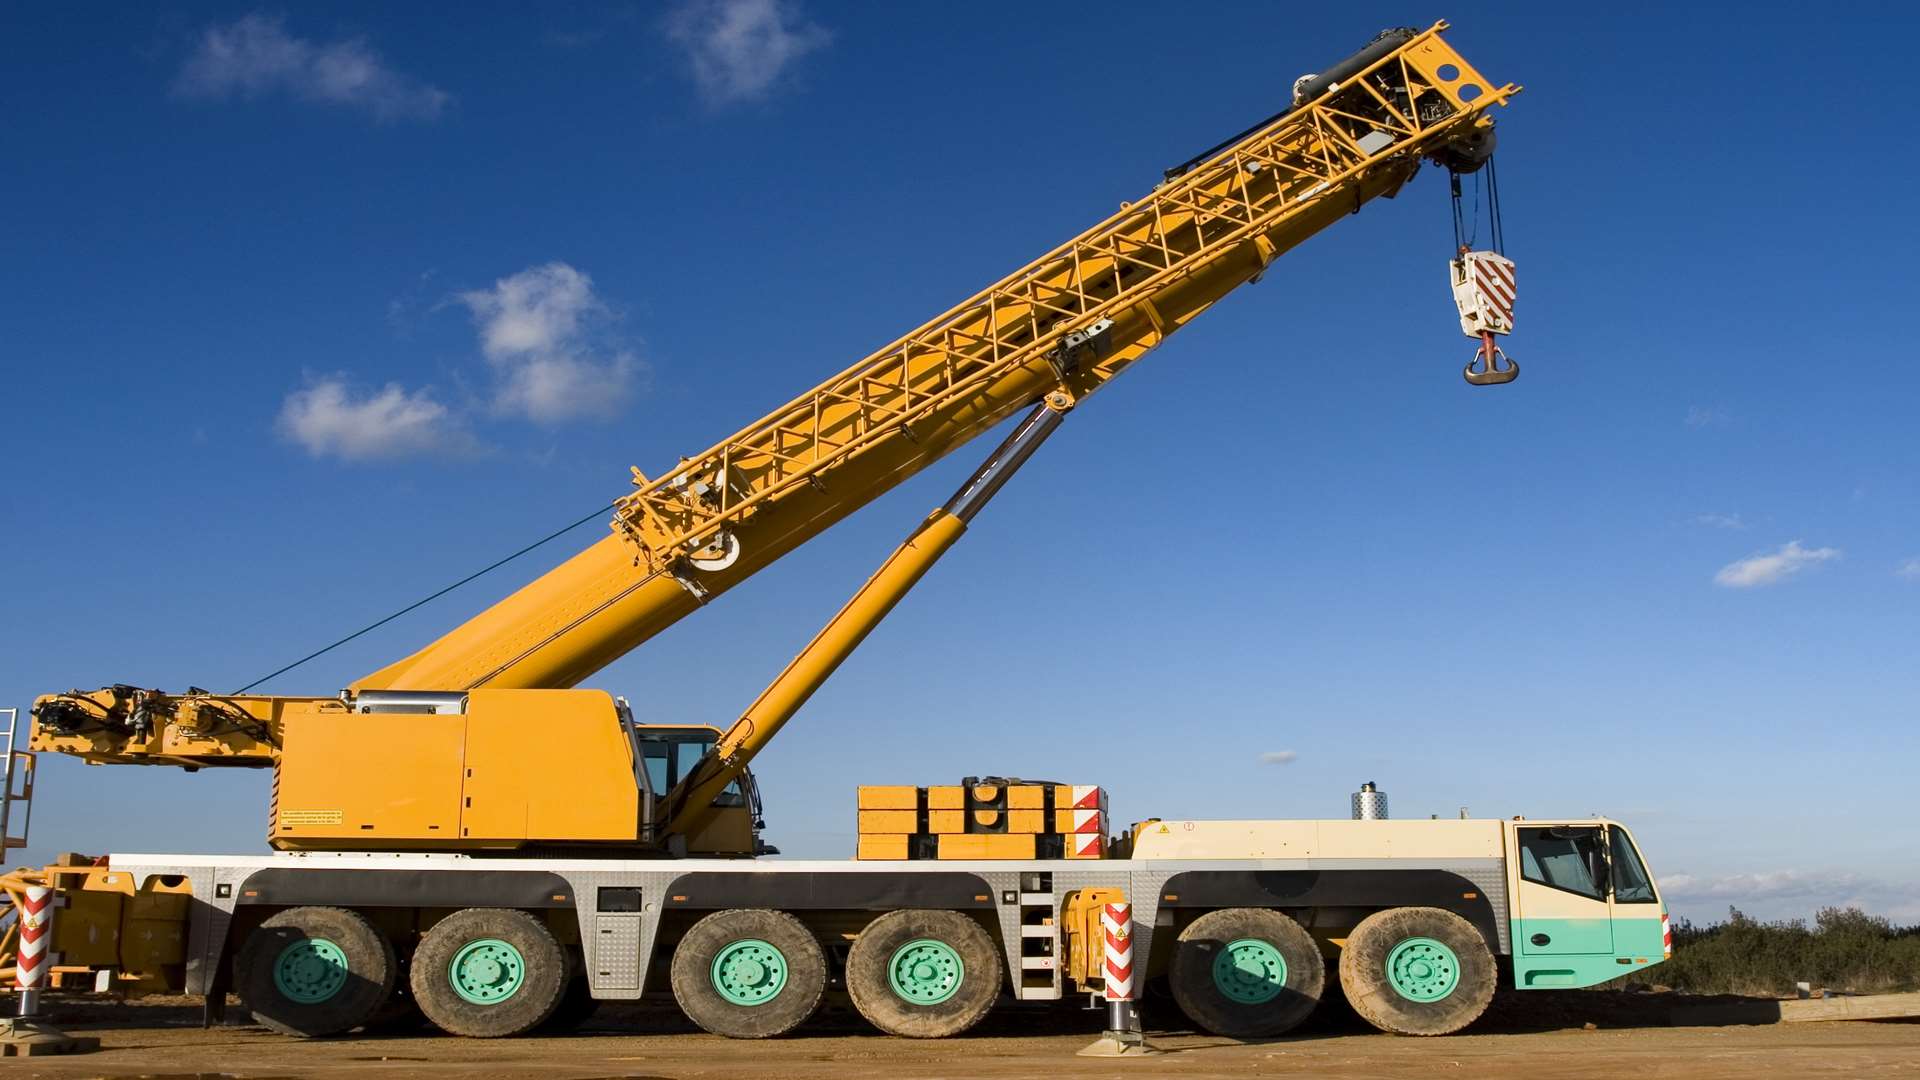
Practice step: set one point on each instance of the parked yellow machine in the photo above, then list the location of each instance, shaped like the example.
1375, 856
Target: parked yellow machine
457, 879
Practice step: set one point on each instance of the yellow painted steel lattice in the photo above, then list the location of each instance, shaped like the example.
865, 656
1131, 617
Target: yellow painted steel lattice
1229, 204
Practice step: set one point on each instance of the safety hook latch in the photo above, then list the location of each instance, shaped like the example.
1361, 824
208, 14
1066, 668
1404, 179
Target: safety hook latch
1490, 366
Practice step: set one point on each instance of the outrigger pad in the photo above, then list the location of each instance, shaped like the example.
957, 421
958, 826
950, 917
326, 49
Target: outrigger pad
1119, 1044
30, 1038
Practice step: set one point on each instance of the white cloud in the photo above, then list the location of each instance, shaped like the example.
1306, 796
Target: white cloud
331, 419
1909, 570
1279, 757
1789, 894
738, 49
536, 310
255, 56
1772, 568
1771, 885
548, 389
1720, 521
537, 330
1707, 416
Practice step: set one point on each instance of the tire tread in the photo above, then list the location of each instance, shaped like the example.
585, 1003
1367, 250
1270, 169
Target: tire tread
546, 973
1363, 972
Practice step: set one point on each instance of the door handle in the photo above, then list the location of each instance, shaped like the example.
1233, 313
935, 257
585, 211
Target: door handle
1540, 939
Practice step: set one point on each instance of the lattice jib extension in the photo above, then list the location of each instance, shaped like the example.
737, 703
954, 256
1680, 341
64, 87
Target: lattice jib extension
1411, 103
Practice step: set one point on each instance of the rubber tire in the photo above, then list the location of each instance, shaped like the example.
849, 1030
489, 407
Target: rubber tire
1363, 972
544, 980
577, 1006
371, 970
1191, 973
872, 991
693, 973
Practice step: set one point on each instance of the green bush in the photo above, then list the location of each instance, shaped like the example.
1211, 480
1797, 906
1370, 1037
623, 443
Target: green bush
1844, 949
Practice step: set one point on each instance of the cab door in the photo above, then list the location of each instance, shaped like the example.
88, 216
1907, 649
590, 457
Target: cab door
1562, 920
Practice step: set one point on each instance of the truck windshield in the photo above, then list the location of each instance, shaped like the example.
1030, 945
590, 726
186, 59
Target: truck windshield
1562, 858
1631, 883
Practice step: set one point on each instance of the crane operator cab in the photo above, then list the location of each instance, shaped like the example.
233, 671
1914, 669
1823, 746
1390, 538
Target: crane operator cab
495, 770
671, 753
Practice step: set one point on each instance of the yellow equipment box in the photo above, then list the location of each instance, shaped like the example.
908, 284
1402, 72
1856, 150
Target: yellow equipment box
884, 847
977, 846
889, 821
889, 797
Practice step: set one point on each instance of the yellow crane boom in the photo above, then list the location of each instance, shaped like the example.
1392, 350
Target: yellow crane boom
1130, 280
1053, 331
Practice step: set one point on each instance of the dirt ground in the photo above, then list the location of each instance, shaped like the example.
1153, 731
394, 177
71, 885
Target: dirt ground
1542, 1037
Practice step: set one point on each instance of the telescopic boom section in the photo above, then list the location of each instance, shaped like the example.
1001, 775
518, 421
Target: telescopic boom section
1063, 325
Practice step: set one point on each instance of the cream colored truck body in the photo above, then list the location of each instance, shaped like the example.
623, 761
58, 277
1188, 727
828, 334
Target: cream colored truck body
1563, 927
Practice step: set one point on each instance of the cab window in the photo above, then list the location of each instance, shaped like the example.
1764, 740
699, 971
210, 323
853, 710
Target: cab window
690, 755
1631, 883
656, 758
1564, 858
671, 755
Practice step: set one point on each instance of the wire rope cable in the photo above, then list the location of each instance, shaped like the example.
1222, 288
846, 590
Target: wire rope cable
423, 601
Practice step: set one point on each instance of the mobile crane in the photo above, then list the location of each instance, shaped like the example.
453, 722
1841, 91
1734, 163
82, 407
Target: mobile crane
460, 879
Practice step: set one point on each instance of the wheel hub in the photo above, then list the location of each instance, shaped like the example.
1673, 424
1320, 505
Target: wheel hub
310, 970
926, 972
1422, 969
749, 972
487, 972
1250, 971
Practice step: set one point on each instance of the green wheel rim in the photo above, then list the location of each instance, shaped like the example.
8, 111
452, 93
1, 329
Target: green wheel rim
749, 972
1422, 969
487, 971
926, 971
310, 971
1250, 971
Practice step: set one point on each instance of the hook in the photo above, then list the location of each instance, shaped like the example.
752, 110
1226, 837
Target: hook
1489, 358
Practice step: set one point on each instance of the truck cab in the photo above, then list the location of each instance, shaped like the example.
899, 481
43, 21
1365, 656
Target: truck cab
1585, 908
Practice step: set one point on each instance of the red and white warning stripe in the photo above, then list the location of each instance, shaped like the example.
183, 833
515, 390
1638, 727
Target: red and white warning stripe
1484, 290
1116, 920
1086, 821
36, 931
1666, 934
1494, 275
1085, 845
1080, 797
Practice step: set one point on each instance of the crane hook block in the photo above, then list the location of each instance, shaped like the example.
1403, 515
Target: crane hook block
1483, 290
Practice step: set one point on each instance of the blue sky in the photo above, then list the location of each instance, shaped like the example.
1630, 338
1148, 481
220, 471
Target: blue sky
309, 312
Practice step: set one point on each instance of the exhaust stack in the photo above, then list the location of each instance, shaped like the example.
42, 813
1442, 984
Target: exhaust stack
1369, 803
